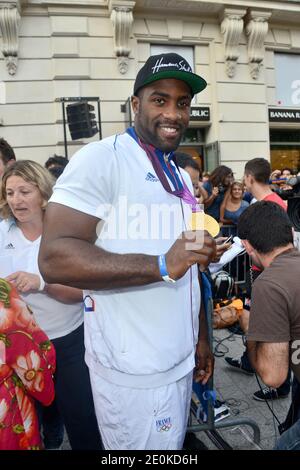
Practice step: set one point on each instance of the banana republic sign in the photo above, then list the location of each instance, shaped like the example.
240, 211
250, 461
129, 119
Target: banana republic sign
200, 113
284, 115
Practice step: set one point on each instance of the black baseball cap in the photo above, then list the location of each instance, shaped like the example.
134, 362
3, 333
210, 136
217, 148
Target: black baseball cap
168, 65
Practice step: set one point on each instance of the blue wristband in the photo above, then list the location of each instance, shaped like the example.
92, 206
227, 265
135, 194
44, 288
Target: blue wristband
162, 266
163, 269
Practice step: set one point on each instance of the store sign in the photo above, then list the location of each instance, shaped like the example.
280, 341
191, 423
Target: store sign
287, 71
284, 115
200, 113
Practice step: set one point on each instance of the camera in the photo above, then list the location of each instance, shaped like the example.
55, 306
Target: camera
221, 188
292, 196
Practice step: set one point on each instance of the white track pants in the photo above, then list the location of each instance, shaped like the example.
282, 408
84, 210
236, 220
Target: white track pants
142, 419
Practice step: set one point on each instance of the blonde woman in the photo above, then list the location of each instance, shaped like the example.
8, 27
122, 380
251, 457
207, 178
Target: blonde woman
26, 188
233, 205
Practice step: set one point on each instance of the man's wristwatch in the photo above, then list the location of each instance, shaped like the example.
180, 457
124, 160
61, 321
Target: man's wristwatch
163, 269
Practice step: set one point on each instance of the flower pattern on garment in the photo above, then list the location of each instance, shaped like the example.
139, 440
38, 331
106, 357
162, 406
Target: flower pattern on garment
28, 418
13, 310
28, 367
27, 364
3, 410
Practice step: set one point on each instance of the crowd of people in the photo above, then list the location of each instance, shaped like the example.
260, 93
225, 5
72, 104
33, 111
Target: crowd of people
120, 303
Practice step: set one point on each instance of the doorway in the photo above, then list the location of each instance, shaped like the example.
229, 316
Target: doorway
195, 152
193, 143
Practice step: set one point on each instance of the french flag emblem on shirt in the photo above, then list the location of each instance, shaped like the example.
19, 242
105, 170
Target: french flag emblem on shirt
89, 304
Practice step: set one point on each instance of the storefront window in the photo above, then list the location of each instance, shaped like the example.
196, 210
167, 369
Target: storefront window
287, 68
285, 149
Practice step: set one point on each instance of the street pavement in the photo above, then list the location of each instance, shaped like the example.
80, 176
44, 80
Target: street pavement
236, 389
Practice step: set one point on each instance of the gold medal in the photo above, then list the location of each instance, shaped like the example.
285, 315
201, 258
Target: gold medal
202, 221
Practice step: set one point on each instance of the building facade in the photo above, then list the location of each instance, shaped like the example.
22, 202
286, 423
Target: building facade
248, 51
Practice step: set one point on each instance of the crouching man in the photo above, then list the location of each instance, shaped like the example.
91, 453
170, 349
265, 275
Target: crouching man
273, 323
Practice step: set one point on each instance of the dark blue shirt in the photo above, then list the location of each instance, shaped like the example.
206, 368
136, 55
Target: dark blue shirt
234, 215
247, 197
214, 208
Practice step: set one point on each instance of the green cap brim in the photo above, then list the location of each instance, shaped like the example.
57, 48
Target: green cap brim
195, 82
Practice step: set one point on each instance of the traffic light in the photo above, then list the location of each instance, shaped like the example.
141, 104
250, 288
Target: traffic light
81, 120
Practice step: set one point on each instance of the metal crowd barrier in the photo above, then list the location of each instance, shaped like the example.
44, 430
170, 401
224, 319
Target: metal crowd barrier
239, 266
210, 424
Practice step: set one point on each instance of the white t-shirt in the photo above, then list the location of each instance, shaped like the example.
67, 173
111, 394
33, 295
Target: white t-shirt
140, 336
17, 253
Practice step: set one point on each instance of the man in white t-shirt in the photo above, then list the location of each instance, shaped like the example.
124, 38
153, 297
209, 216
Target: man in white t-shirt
116, 227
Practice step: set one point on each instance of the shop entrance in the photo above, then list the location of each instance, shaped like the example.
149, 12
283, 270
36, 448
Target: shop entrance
206, 155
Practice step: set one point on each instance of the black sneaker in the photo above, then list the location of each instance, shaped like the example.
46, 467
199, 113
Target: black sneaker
269, 393
239, 366
191, 442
